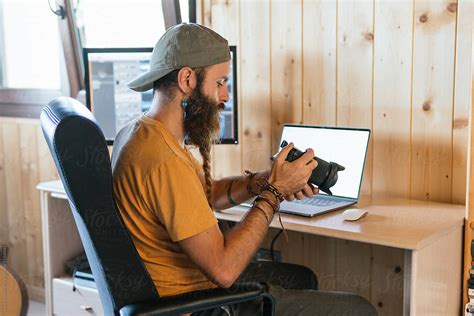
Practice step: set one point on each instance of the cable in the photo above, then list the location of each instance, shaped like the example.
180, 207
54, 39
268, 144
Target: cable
60, 12
273, 244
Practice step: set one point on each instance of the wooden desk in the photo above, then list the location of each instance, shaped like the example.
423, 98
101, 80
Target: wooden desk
405, 256
406, 224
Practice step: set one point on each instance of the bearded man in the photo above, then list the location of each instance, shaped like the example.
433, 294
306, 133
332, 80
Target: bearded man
166, 198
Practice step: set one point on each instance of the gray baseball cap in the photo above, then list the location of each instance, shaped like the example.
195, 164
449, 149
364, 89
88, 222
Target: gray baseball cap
183, 45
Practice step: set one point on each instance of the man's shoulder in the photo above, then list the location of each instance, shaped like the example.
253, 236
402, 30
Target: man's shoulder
136, 144
140, 146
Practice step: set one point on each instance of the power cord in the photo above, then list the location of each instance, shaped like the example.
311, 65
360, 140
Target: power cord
272, 254
60, 12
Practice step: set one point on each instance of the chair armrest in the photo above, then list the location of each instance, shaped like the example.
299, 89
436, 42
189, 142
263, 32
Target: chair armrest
200, 300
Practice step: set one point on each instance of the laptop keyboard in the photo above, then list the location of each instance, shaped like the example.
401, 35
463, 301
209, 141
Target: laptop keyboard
318, 201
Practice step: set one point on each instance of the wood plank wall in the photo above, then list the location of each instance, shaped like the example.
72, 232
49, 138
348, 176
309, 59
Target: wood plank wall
25, 161
466, 41
401, 68
396, 67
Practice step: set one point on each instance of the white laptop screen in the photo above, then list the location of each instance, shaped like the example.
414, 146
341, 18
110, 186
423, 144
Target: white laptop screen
347, 147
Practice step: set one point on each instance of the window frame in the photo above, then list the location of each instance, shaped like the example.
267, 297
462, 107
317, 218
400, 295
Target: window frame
171, 12
25, 103
28, 103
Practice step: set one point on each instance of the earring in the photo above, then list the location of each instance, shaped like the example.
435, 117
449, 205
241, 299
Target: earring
184, 104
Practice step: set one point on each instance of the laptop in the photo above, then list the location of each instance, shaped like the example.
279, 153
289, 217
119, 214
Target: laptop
345, 146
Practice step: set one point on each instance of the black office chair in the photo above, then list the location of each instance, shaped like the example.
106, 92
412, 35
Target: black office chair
80, 153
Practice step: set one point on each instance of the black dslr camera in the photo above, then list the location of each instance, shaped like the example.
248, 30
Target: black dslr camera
324, 175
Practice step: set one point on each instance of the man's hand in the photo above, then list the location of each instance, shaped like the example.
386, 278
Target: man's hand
290, 178
308, 191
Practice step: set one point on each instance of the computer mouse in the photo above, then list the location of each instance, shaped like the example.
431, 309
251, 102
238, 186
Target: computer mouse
353, 214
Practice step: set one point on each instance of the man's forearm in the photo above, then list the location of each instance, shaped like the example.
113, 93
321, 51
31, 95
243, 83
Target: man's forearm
243, 241
231, 191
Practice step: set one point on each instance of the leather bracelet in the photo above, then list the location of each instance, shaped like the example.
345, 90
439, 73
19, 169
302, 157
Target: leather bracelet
250, 175
263, 211
275, 210
275, 207
269, 187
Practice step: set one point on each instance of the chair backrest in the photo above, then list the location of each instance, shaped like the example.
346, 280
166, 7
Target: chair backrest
80, 153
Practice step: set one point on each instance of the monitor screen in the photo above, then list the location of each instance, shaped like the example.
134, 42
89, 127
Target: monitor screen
107, 72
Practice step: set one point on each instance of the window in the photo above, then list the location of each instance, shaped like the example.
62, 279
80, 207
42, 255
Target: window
122, 23
30, 48
33, 67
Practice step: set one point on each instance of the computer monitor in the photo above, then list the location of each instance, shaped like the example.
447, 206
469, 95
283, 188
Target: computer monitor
107, 71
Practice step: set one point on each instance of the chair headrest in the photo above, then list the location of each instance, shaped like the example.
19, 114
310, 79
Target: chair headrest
61, 108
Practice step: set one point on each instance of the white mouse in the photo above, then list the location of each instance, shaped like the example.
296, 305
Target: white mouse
353, 214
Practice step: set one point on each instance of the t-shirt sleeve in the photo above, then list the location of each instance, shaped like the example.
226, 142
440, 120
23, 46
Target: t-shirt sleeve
175, 194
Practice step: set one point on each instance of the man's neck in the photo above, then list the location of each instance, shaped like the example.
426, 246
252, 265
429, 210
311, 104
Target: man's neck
170, 114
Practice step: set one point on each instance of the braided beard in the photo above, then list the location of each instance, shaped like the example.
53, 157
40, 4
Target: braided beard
201, 125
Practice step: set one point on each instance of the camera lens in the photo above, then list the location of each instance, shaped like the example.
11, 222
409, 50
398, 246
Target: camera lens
324, 175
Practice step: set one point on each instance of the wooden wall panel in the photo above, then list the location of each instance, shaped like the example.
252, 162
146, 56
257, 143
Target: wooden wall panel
392, 96
469, 226
355, 40
442, 295
432, 105
24, 162
29, 180
462, 99
17, 242
386, 280
319, 62
254, 92
4, 222
227, 158
205, 9
360, 64
353, 267
320, 255
286, 72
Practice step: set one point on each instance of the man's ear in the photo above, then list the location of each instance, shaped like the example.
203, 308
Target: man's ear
186, 80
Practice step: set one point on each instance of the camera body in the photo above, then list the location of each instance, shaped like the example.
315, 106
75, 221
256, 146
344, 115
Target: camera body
324, 175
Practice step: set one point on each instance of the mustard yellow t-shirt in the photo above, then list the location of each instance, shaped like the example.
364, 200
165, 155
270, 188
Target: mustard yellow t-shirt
162, 201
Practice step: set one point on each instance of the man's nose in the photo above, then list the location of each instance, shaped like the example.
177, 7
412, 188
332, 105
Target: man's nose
224, 96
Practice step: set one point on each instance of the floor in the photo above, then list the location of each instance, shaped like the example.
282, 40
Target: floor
36, 308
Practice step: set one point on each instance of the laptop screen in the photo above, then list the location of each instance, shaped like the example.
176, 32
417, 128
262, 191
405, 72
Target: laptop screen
345, 146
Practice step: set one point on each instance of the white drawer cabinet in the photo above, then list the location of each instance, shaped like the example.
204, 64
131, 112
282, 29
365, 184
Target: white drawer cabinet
61, 243
83, 301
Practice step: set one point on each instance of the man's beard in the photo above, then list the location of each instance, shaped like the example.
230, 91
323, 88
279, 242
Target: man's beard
202, 117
